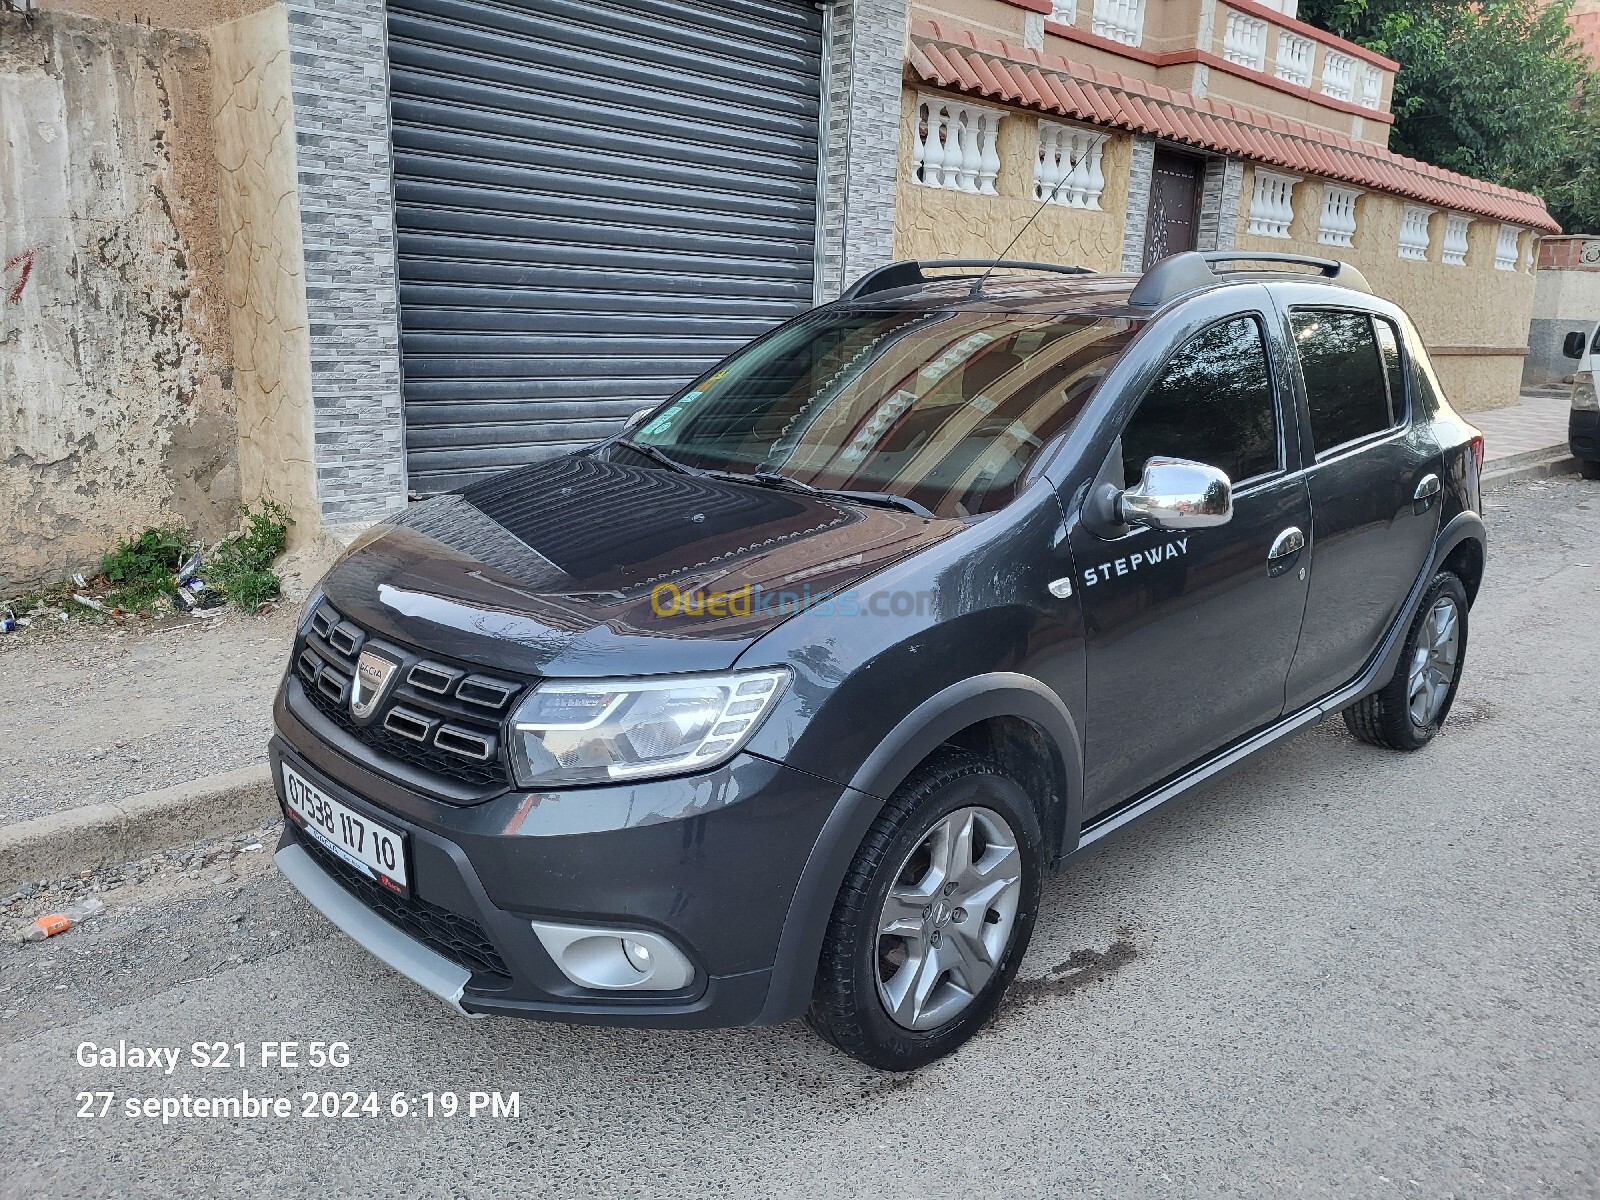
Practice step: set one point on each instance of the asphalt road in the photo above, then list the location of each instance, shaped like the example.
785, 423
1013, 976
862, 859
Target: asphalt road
1338, 971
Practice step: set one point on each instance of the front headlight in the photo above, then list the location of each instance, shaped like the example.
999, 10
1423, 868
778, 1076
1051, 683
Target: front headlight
1583, 394
596, 731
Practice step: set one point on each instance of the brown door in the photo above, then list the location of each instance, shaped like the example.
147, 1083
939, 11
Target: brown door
1173, 223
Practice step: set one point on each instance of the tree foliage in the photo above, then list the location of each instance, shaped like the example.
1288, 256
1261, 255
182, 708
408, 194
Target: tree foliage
1496, 89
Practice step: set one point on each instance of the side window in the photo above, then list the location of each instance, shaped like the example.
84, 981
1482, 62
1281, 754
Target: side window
1393, 368
1347, 380
1213, 404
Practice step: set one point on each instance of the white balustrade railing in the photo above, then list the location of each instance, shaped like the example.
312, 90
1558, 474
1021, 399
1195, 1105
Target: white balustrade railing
1272, 204
1244, 40
1414, 232
1371, 87
956, 145
1064, 12
1338, 225
1338, 75
1295, 55
1067, 170
1506, 248
1455, 239
1120, 20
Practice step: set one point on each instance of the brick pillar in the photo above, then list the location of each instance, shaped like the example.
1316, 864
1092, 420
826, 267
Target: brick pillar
867, 57
339, 73
1140, 171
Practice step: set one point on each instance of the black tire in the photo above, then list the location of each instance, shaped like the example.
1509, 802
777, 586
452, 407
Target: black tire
1589, 468
846, 1006
1386, 718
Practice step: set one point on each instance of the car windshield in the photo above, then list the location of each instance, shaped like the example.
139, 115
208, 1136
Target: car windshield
944, 409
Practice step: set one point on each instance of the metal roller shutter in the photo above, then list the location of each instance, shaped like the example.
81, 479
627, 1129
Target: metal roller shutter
595, 200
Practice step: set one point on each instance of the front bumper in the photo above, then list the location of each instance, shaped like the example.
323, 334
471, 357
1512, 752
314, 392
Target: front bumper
710, 862
1583, 434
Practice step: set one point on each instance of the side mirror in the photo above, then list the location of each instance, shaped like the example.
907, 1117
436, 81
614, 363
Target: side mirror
636, 418
1178, 494
1573, 347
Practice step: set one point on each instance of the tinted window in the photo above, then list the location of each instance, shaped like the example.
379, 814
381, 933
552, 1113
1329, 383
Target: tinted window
1394, 372
1347, 385
1213, 404
946, 408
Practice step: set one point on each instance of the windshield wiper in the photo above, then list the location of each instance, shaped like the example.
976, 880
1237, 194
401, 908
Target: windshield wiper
775, 479
658, 456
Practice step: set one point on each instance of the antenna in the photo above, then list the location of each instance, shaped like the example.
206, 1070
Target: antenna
1072, 165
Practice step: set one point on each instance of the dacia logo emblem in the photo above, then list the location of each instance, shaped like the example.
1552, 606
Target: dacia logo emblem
374, 673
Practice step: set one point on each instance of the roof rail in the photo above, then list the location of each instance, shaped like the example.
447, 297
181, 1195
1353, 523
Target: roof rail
1192, 270
910, 272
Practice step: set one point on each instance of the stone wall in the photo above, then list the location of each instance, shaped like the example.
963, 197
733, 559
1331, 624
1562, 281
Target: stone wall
116, 388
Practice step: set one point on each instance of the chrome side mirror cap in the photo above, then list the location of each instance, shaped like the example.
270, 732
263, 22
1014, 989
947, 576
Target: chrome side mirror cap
1178, 494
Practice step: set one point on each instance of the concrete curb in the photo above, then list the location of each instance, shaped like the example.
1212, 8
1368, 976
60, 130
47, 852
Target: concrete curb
1554, 461
95, 835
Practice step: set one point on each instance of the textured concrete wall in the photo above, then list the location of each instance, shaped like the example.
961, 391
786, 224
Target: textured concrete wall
1473, 317
1564, 301
253, 125
116, 406
867, 55
939, 223
339, 71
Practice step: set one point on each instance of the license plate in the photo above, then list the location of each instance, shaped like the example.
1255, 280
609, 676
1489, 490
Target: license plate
362, 842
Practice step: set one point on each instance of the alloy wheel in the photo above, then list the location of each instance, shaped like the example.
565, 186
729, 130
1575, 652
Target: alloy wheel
947, 918
1433, 663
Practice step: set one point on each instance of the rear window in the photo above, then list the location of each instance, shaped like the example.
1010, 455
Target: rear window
1354, 388
944, 408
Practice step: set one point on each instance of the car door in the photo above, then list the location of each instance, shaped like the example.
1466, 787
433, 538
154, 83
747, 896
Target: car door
1374, 479
1189, 634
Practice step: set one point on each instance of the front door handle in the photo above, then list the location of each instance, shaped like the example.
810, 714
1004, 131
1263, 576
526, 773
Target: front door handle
1427, 488
1285, 550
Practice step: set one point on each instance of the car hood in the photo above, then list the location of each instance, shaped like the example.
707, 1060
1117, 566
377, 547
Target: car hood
563, 568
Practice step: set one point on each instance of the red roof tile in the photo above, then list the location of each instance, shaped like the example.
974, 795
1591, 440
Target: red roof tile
963, 60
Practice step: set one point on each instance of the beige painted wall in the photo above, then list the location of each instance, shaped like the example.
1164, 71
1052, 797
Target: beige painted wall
116, 400
938, 223
252, 118
1474, 305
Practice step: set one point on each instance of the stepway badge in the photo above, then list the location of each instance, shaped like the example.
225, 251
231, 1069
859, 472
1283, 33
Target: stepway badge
1135, 561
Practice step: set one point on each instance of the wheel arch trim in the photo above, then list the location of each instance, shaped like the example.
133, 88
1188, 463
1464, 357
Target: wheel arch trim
932, 723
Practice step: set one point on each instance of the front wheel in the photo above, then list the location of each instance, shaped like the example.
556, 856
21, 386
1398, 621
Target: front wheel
1410, 708
1589, 468
933, 917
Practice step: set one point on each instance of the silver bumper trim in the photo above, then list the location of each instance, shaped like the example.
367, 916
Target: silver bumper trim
383, 941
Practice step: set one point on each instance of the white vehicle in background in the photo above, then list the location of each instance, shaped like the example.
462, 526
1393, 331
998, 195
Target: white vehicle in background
1583, 427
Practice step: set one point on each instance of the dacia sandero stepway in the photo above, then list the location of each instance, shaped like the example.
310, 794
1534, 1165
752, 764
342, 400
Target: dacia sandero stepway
781, 701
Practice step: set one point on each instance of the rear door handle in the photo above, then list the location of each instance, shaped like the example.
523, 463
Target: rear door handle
1427, 488
1285, 550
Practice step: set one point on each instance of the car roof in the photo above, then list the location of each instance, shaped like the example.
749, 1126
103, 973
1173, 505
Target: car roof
1022, 287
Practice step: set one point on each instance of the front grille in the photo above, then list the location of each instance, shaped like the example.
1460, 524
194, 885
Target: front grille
460, 939
440, 717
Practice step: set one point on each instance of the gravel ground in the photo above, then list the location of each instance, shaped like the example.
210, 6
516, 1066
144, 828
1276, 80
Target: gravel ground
103, 712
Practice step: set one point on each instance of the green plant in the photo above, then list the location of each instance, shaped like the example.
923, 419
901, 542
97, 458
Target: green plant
240, 566
140, 569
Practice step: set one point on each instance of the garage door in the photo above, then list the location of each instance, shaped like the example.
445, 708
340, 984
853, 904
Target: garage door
595, 200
